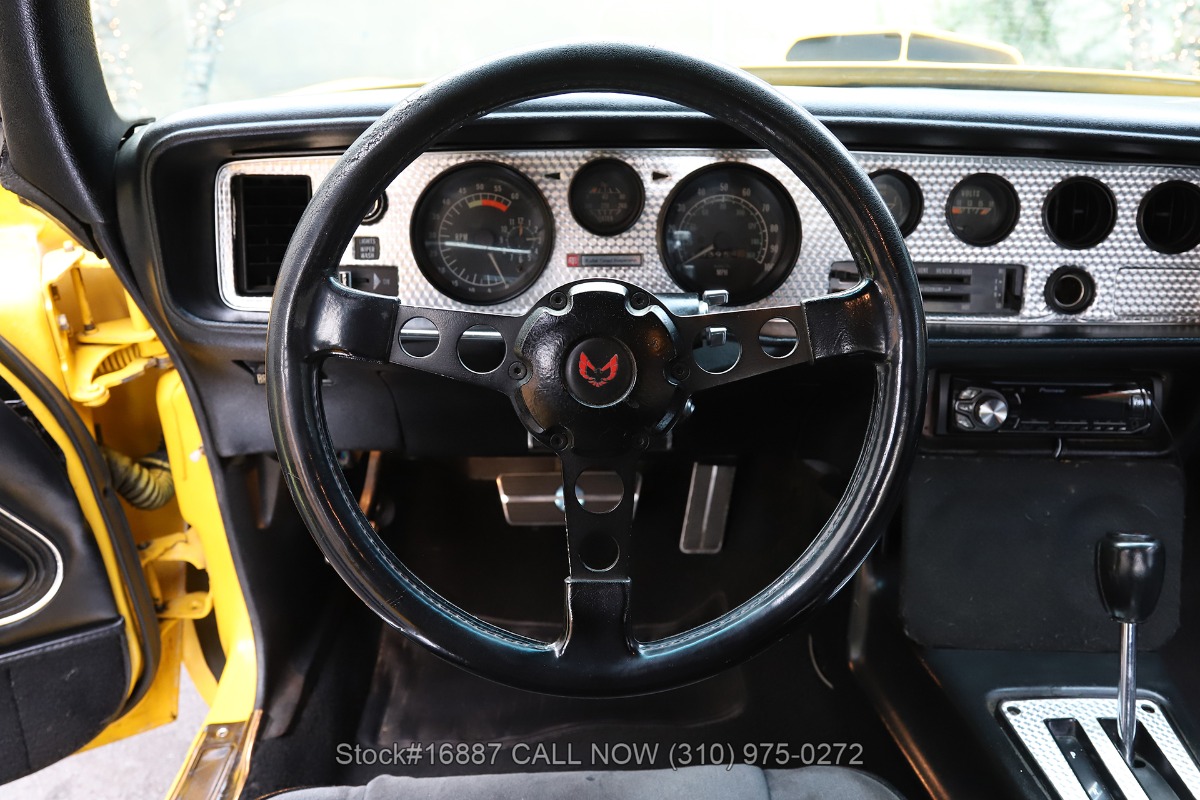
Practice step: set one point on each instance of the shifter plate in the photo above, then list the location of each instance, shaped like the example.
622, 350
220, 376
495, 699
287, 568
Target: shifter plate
1029, 720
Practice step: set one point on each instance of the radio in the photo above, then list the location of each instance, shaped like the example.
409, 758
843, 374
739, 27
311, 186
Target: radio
1060, 408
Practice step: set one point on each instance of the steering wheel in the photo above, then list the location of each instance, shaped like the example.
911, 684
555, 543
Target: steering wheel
642, 374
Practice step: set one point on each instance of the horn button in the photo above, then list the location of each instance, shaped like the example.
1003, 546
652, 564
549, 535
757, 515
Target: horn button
599, 354
600, 372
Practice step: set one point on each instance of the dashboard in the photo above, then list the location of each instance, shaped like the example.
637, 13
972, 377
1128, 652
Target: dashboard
995, 239
1094, 198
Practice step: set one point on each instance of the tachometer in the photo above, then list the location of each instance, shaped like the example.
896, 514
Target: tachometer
482, 233
732, 227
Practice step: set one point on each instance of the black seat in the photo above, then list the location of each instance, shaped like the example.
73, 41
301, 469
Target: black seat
691, 783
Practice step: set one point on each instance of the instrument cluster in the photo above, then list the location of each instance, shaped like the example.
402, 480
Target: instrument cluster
993, 238
483, 233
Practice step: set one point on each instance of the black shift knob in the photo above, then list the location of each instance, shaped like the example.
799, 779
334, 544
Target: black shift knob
1129, 570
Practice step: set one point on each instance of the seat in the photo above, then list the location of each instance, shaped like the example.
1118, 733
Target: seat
740, 782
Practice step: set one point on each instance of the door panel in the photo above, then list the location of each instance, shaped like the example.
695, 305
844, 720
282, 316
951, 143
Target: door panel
31, 569
78, 635
54, 566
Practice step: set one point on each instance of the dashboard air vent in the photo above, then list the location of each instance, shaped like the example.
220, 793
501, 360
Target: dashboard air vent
963, 289
1079, 213
267, 209
1169, 217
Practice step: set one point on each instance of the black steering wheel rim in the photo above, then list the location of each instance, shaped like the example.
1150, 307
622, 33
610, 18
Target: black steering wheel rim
326, 502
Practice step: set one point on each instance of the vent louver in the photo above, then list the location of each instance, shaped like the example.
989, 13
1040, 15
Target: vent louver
1169, 217
1079, 213
267, 209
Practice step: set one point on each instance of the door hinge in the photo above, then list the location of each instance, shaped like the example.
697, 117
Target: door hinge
193, 605
184, 546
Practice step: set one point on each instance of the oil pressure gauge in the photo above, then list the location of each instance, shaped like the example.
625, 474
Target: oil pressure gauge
607, 196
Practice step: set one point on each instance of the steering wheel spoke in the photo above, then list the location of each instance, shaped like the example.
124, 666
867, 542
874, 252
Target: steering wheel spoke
599, 539
598, 625
599, 527
850, 323
354, 324
729, 346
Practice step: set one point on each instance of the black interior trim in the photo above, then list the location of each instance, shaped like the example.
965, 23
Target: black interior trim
49, 706
60, 128
67, 584
940, 704
186, 149
171, 234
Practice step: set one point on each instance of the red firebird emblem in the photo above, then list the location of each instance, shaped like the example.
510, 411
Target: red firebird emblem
597, 377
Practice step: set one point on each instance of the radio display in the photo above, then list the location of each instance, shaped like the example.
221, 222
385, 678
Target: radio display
1060, 407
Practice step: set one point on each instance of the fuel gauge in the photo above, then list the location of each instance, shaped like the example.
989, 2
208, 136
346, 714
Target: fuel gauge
607, 196
902, 196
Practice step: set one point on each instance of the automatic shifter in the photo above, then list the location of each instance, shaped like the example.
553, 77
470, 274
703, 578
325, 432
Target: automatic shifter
1129, 570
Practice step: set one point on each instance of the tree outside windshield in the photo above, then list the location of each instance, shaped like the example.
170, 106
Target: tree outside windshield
159, 56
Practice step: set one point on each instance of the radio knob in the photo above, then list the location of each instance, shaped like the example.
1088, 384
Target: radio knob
991, 410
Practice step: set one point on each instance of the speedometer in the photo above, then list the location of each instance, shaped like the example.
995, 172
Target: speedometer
731, 227
482, 233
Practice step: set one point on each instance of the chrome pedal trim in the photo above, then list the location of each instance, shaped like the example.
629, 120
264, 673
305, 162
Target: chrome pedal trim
707, 509
1028, 720
535, 498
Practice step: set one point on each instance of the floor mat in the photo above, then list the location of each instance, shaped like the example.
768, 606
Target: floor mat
777, 706
398, 709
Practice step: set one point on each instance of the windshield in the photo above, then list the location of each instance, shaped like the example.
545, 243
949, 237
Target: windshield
159, 56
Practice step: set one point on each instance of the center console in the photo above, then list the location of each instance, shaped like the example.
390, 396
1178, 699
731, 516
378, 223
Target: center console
988, 643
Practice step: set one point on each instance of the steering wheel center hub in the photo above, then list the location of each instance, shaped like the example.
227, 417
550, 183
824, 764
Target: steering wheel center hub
599, 356
600, 372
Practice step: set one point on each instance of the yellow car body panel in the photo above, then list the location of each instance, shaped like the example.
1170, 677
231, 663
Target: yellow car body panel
998, 52
977, 76
236, 693
1018, 77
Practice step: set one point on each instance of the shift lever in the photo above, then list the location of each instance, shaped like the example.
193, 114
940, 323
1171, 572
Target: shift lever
1129, 570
